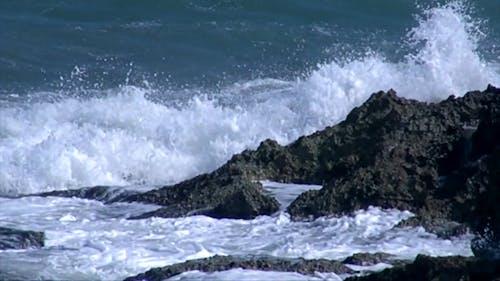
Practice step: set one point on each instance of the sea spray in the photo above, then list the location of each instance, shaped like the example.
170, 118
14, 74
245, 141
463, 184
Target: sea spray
121, 136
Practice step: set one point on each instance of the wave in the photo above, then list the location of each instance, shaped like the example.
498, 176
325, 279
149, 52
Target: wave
123, 137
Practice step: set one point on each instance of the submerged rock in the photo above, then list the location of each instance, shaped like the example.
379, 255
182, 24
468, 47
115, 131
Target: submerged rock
451, 268
20, 239
222, 263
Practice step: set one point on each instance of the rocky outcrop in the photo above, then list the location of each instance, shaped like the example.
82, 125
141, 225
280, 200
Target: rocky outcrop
438, 160
366, 259
426, 268
215, 195
390, 152
395, 153
20, 239
221, 263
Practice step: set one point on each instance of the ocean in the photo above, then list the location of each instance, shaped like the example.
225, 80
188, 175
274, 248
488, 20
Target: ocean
139, 94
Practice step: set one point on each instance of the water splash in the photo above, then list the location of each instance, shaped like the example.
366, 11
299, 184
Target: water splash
122, 136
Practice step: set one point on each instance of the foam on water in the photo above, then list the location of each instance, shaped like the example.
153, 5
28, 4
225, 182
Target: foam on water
252, 275
87, 240
286, 193
121, 137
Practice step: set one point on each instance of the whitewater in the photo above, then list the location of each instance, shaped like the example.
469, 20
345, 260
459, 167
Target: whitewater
140, 137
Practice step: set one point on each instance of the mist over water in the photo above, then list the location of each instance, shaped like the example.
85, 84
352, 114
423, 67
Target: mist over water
144, 134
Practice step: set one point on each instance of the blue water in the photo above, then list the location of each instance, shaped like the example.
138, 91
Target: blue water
202, 43
154, 92
136, 94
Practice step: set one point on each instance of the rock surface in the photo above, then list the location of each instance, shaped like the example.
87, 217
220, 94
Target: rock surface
221, 263
426, 268
366, 259
215, 195
101, 193
20, 239
438, 160
396, 153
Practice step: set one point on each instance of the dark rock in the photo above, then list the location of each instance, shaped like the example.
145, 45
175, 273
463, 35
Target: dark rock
221, 263
443, 228
101, 193
366, 259
20, 239
486, 246
392, 152
214, 195
451, 268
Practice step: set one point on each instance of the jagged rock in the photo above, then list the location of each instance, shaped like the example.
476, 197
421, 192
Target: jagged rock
20, 239
366, 259
215, 195
409, 155
393, 153
451, 268
436, 160
221, 263
390, 152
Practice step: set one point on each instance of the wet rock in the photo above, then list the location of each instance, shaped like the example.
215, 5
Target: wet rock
101, 193
443, 228
486, 246
410, 155
451, 268
221, 263
215, 195
366, 259
392, 152
20, 239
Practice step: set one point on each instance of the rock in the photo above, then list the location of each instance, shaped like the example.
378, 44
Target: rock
366, 259
221, 263
436, 160
451, 268
101, 193
20, 239
486, 246
215, 195
443, 228
409, 155
392, 152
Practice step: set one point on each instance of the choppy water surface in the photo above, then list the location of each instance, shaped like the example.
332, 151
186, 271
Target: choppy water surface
151, 93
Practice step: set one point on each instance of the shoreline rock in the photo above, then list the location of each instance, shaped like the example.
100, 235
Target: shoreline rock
20, 239
221, 263
437, 160
450, 268
215, 195
105, 194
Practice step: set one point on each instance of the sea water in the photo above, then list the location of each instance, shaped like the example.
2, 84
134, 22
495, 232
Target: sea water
144, 94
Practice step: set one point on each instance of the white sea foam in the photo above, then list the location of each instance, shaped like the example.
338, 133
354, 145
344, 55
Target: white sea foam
252, 275
121, 137
87, 240
286, 193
